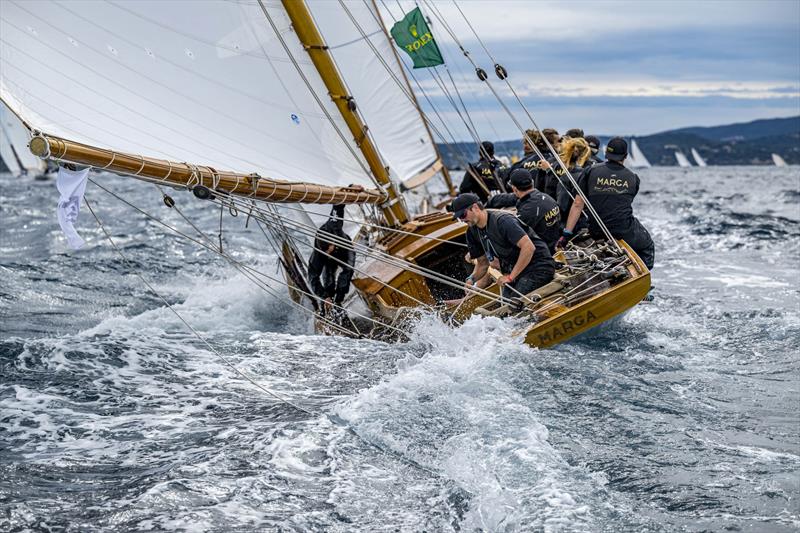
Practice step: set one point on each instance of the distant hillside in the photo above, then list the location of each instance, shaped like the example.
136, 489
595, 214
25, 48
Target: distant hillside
747, 143
746, 131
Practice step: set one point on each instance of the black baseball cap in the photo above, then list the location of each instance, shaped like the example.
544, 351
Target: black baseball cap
488, 147
616, 149
593, 142
574, 133
462, 203
521, 179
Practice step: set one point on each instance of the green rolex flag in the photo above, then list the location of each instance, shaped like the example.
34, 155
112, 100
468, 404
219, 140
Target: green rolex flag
413, 35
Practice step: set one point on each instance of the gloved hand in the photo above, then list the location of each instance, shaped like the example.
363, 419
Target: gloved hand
565, 238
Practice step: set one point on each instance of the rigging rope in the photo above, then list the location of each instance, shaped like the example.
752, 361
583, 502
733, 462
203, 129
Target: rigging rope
305, 79
239, 266
189, 326
332, 419
504, 76
378, 255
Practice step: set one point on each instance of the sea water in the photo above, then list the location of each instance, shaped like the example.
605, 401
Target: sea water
115, 416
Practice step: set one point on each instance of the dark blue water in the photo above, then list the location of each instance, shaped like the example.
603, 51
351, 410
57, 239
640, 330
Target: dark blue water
683, 416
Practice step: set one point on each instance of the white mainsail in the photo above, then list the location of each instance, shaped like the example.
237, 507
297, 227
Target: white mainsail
636, 157
16, 138
778, 160
698, 159
221, 91
683, 161
383, 99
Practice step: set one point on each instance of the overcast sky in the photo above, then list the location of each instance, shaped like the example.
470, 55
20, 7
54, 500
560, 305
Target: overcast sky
620, 67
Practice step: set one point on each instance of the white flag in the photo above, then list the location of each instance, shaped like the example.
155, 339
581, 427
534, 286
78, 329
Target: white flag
71, 184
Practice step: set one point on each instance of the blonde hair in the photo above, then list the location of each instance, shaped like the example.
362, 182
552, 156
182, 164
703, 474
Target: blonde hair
574, 151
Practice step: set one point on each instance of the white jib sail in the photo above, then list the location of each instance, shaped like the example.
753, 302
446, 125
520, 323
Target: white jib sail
698, 159
209, 83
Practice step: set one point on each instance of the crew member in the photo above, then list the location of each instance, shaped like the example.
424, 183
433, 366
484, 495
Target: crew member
482, 177
544, 178
333, 250
594, 146
575, 152
530, 159
534, 208
525, 261
611, 188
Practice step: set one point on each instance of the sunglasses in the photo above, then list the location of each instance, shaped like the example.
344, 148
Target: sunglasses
464, 214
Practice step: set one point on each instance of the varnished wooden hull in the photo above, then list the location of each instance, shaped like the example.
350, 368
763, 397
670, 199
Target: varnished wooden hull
392, 291
592, 312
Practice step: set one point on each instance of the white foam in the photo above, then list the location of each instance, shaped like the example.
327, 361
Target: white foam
454, 411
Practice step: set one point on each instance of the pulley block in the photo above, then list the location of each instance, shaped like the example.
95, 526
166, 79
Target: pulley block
203, 192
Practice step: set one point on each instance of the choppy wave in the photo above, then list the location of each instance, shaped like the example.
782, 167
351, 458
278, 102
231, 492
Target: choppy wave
114, 416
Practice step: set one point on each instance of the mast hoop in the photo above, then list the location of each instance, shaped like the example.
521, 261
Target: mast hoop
194, 178
113, 156
141, 167
301, 200
169, 163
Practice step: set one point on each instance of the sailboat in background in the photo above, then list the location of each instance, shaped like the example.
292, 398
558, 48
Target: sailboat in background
636, 158
8, 154
272, 108
778, 160
683, 161
698, 159
14, 147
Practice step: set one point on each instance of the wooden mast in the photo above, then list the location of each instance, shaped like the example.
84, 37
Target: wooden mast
442, 167
394, 209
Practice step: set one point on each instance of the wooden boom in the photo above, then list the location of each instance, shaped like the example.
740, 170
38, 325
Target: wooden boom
189, 175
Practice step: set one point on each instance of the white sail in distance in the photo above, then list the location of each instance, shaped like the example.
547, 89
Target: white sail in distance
220, 90
7, 152
638, 159
682, 160
698, 159
778, 160
16, 138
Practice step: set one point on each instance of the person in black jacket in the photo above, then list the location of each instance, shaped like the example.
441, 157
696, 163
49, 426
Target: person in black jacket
536, 209
525, 262
611, 188
530, 158
482, 177
333, 250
